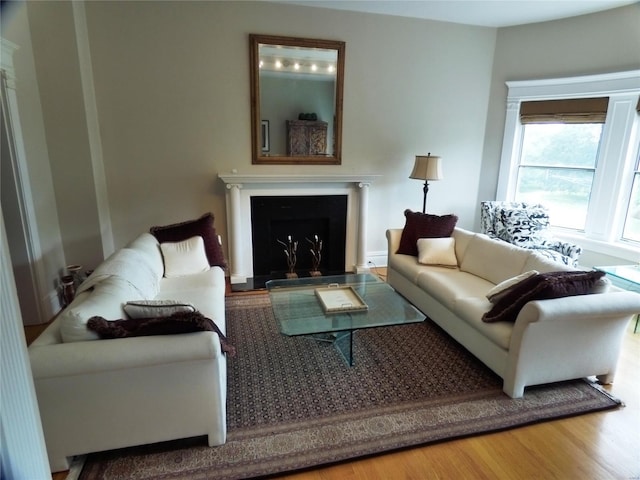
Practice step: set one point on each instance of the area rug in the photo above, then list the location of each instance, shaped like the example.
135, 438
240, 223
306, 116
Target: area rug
293, 403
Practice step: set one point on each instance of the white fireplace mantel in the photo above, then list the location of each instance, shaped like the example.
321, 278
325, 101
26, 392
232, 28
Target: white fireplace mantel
241, 187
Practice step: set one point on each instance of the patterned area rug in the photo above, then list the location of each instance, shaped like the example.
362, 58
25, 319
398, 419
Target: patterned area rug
293, 403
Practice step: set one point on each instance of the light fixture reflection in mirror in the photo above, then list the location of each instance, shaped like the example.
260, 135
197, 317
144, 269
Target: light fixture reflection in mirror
296, 86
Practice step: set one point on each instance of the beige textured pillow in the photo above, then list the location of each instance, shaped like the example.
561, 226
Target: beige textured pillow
437, 251
497, 292
184, 258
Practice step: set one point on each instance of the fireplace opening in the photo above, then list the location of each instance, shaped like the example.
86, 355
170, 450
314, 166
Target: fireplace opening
277, 221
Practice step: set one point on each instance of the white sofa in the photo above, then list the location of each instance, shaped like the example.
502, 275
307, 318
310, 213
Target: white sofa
99, 395
551, 340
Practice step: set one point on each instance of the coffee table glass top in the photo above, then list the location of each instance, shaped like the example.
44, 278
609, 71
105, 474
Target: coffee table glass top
626, 273
299, 312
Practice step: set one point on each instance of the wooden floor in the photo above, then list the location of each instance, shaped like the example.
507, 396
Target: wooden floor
595, 446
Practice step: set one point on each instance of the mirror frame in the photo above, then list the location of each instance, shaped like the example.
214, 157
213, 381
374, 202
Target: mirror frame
256, 122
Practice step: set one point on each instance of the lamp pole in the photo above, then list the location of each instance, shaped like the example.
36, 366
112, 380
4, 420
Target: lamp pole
425, 189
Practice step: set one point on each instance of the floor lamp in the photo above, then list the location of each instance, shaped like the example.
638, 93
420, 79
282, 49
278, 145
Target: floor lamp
426, 168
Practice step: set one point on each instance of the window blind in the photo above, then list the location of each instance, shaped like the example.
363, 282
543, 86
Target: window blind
578, 110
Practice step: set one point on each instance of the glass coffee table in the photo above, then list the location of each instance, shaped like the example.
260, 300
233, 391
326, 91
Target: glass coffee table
626, 277
298, 310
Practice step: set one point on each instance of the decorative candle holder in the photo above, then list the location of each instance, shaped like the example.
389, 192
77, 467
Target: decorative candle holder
68, 289
290, 249
316, 255
75, 272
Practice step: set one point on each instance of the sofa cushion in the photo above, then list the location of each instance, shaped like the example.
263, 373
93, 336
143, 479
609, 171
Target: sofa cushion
448, 285
407, 266
130, 266
203, 290
184, 258
437, 251
543, 263
493, 260
470, 309
463, 238
156, 308
203, 227
149, 248
424, 225
543, 286
107, 300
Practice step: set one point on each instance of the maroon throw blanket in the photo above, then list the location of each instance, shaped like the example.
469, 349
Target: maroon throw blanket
183, 322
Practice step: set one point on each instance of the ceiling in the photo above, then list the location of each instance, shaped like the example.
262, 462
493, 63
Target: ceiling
487, 13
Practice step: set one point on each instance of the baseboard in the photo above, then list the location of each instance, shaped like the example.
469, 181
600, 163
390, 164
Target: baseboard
377, 259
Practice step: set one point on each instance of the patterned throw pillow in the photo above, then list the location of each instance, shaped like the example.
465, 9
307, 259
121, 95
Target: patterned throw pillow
202, 227
423, 225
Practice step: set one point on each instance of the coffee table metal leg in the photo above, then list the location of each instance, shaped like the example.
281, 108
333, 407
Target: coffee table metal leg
344, 344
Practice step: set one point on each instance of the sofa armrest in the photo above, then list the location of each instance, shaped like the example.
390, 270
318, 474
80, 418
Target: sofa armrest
77, 358
580, 307
393, 240
571, 337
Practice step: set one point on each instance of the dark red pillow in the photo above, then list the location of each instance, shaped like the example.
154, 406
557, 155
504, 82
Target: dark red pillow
543, 286
424, 225
203, 227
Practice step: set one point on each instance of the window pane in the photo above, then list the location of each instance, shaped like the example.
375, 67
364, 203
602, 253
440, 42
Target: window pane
561, 145
564, 191
632, 221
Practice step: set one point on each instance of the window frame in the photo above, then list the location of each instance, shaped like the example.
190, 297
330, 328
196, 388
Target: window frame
615, 162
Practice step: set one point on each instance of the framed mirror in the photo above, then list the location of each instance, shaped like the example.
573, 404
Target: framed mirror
296, 100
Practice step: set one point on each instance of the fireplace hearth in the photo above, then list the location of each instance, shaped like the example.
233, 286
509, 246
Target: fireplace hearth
278, 220
241, 188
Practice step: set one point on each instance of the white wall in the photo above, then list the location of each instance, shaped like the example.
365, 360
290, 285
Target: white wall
172, 86
15, 27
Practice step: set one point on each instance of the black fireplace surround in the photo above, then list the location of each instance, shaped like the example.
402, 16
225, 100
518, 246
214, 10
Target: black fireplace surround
276, 218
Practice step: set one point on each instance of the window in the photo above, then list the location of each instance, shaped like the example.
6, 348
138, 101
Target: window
632, 220
573, 145
557, 167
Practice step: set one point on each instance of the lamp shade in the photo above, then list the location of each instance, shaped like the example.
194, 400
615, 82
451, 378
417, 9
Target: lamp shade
427, 167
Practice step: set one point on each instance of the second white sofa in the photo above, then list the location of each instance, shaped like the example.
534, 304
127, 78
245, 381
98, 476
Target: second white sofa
551, 340
99, 395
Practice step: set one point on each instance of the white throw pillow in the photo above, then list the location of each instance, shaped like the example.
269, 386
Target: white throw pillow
156, 308
496, 292
184, 258
437, 251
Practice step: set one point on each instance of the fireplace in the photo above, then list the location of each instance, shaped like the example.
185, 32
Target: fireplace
242, 188
301, 220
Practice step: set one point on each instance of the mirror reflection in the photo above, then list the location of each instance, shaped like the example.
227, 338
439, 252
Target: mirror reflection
296, 100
